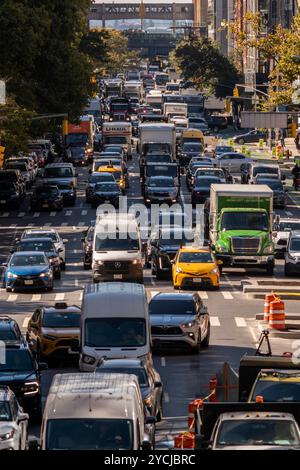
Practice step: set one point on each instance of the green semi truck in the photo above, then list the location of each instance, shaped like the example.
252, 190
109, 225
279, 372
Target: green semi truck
240, 225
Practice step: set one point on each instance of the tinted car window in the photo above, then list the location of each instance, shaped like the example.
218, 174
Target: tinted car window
61, 320
172, 307
17, 360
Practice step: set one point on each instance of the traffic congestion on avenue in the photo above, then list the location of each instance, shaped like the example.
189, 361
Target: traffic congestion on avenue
150, 262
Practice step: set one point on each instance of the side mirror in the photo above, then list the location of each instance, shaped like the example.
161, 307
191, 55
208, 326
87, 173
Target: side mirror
157, 384
43, 366
65, 240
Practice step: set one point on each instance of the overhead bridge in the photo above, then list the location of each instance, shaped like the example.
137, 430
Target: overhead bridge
147, 11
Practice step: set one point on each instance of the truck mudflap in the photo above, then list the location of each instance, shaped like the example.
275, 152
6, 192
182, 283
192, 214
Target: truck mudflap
250, 366
206, 418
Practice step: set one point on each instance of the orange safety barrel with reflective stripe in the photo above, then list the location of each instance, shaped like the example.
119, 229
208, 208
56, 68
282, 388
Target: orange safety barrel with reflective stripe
185, 440
268, 299
193, 406
277, 315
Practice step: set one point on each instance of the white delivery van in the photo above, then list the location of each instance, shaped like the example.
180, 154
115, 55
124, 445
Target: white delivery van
119, 133
117, 248
114, 323
175, 109
161, 134
94, 412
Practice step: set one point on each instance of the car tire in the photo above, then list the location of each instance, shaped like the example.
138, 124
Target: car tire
57, 275
196, 349
63, 266
241, 141
270, 269
205, 341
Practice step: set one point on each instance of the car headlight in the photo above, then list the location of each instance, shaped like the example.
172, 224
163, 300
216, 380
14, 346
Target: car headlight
30, 388
179, 270
12, 275
215, 270
188, 325
136, 261
99, 263
88, 359
8, 435
46, 274
269, 250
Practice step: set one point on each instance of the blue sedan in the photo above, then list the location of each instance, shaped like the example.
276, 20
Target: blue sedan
28, 270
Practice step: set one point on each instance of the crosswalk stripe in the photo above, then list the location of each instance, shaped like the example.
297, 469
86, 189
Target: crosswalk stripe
36, 214
5, 214
227, 295
52, 214
214, 321
68, 213
81, 296
203, 295
36, 298
240, 322
12, 297
59, 297
21, 214
25, 322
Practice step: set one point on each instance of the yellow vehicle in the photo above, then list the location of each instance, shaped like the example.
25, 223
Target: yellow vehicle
54, 331
118, 174
192, 135
194, 267
275, 385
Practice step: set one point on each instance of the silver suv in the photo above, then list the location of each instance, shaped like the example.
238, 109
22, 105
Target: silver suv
292, 255
13, 422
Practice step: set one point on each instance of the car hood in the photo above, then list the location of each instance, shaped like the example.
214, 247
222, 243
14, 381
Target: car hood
61, 331
107, 194
196, 268
170, 320
27, 270
6, 377
58, 180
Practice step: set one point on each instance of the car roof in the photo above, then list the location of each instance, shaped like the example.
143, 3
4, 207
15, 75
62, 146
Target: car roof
192, 249
247, 415
54, 165
295, 234
62, 307
6, 322
28, 253
174, 296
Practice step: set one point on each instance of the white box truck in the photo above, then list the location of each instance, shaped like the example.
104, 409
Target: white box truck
175, 109
158, 138
119, 133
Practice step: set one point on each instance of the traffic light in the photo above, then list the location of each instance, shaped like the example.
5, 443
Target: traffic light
2, 154
65, 126
236, 92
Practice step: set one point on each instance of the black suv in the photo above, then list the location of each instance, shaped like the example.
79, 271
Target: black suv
216, 122
164, 247
10, 195
22, 374
14, 176
10, 330
46, 197
87, 241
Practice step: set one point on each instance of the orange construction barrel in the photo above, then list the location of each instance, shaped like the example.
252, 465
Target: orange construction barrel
212, 389
277, 315
268, 299
193, 405
185, 440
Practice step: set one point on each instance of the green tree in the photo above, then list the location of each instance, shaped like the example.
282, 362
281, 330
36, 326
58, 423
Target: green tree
15, 122
200, 60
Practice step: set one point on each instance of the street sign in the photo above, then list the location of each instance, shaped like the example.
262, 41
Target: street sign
2, 92
231, 142
243, 150
261, 143
248, 153
257, 120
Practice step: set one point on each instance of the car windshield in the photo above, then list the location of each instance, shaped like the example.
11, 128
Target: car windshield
114, 242
281, 390
171, 307
58, 172
211, 172
61, 320
192, 147
106, 187
16, 360
51, 235
159, 170
89, 434
7, 335
176, 238
265, 169
116, 140
257, 432
46, 191
295, 244
78, 152
115, 332
5, 414
206, 182
36, 246
139, 372
196, 257
274, 185
16, 166
28, 260
161, 182
245, 221
102, 177
288, 226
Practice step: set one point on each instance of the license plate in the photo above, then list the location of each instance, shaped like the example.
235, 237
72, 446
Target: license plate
197, 279
45, 205
3, 201
28, 283
118, 276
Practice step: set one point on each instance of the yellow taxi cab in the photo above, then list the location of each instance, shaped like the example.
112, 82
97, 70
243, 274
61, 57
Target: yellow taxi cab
54, 331
194, 267
118, 174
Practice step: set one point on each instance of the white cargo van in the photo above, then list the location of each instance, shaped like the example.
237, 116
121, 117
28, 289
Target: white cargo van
94, 412
114, 323
117, 249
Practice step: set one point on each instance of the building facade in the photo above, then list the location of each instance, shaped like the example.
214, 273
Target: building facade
220, 12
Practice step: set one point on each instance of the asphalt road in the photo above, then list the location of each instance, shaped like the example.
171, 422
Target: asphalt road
185, 376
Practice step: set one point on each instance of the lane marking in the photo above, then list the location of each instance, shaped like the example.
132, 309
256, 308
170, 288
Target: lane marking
36, 298
227, 295
36, 214
21, 214
240, 322
12, 297
163, 361
25, 322
52, 214
59, 297
166, 397
203, 295
68, 213
76, 283
81, 296
214, 321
